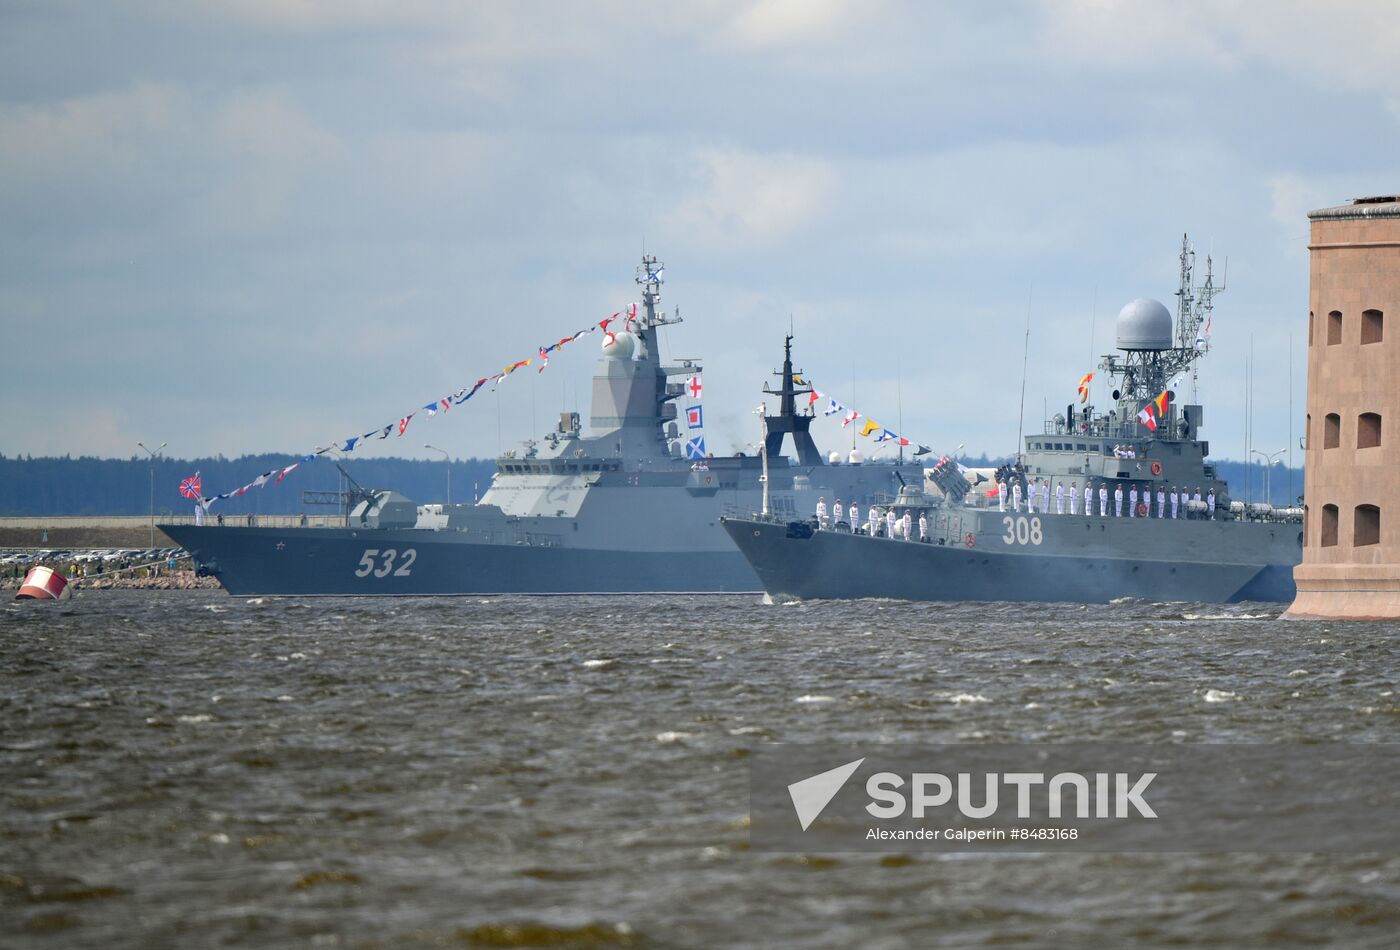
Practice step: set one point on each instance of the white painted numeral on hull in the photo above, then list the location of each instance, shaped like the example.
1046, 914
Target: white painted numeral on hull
1022, 530
386, 566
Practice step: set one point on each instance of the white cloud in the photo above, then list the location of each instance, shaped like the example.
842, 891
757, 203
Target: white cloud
766, 24
741, 199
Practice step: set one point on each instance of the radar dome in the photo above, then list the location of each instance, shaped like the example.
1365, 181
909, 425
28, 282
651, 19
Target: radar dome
856, 457
1144, 325
619, 346
834, 458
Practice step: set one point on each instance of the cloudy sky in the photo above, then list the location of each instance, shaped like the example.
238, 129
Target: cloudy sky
262, 225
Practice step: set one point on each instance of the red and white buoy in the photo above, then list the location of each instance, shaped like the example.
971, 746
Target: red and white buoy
44, 583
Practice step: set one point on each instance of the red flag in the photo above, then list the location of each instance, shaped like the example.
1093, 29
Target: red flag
403, 423
190, 487
1147, 419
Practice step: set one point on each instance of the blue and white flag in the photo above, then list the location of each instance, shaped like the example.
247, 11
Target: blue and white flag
694, 418
833, 407
695, 448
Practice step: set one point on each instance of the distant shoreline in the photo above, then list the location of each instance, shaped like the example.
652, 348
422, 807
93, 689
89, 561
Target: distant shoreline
179, 580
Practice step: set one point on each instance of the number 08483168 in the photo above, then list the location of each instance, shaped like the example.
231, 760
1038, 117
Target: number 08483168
377, 563
1022, 530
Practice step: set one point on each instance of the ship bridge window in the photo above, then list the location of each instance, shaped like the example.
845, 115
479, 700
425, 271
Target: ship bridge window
1334, 328
1368, 430
1372, 326
1332, 431
1329, 526
1367, 526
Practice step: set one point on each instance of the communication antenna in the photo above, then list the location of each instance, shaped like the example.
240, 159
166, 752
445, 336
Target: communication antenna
1025, 361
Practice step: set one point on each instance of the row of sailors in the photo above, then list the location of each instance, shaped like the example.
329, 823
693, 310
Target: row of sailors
1138, 505
887, 522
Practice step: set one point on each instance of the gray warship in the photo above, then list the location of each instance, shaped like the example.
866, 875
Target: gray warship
619, 508
974, 550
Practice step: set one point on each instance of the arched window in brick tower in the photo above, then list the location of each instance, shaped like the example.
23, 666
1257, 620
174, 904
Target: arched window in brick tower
1329, 526
1368, 430
1367, 527
1334, 328
1311, 321
1332, 431
1372, 326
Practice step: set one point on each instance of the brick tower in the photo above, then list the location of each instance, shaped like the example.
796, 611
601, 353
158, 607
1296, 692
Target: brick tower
1351, 548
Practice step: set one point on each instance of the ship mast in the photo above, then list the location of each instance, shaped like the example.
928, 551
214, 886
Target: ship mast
788, 421
1145, 373
649, 279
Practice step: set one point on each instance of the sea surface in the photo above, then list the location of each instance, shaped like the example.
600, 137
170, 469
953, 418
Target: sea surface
187, 769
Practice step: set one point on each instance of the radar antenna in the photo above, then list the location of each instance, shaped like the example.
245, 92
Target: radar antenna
1144, 373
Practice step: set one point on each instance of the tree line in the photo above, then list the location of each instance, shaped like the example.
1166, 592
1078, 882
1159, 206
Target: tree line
95, 486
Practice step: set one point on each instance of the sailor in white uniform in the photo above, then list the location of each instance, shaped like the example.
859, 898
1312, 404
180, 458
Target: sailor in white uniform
1088, 499
1015, 496
1161, 502
1074, 498
889, 523
923, 527
1001, 496
1118, 502
907, 528
1210, 504
821, 512
1132, 502
855, 518
836, 512
874, 529
1103, 499
1045, 497
1175, 496
1060, 498
1032, 495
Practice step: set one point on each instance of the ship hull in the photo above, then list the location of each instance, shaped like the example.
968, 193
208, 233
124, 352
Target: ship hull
1107, 562
416, 562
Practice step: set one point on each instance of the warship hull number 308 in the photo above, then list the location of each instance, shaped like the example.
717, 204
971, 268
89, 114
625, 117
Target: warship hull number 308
1156, 522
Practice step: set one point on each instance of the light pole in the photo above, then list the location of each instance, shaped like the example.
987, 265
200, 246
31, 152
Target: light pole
448, 459
154, 455
1269, 461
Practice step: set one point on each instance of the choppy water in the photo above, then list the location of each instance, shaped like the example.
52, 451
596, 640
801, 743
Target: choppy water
189, 769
